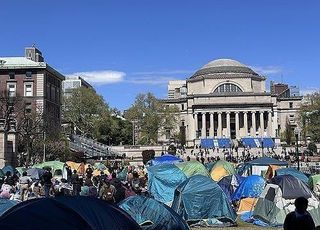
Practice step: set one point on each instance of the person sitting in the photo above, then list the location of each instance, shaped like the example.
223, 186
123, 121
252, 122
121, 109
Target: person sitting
300, 218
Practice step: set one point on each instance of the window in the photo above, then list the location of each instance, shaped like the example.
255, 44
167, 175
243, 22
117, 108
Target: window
12, 76
182, 106
28, 90
168, 134
227, 88
28, 74
290, 105
11, 90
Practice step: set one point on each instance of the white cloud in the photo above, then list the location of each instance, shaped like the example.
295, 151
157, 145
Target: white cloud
309, 90
266, 70
101, 77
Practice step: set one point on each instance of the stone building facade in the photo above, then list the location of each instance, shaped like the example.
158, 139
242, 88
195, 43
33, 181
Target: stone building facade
228, 99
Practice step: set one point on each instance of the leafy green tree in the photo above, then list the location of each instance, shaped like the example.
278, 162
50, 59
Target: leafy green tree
152, 117
309, 117
85, 110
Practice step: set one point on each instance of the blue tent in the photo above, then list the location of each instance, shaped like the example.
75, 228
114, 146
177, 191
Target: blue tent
165, 159
251, 186
163, 180
293, 172
6, 204
66, 212
8, 168
229, 184
200, 198
152, 214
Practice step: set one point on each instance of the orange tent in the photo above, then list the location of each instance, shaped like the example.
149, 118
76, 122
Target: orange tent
271, 171
80, 167
247, 204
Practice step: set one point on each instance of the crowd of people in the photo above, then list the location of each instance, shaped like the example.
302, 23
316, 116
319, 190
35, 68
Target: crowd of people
106, 186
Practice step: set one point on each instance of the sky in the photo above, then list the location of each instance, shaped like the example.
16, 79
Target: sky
126, 47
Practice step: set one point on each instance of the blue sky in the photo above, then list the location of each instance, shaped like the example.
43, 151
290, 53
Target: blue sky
128, 47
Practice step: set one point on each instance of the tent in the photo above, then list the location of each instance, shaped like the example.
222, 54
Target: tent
229, 184
100, 166
294, 172
10, 169
1, 173
152, 214
165, 178
35, 173
21, 170
165, 159
221, 169
271, 171
257, 166
200, 198
6, 204
248, 192
69, 213
80, 167
314, 183
191, 168
58, 168
277, 200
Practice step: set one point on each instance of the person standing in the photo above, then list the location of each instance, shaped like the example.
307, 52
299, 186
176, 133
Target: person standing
300, 218
107, 192
24, 182
75, 181
46, 180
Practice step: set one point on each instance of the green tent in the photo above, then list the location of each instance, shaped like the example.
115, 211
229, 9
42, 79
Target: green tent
191, 168
100, 166
21, 170
313, 180
58, 168
228, 166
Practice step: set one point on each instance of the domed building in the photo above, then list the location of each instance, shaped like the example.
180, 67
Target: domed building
227, 99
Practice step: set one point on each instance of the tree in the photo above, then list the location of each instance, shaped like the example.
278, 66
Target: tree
309, 117
152, 117
85, 110
287, 134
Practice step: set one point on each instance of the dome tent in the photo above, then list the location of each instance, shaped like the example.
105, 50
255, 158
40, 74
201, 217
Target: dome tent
230, 183
248, 192
58, 168
6, 204
277, 200
152, 214
164, 179
165, 159
199, 199
69, 213
294, 172
221, 169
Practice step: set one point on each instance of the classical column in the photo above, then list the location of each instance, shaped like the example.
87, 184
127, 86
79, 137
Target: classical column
219, 130
254, 128
228, 124
261, 123
245, 123
211, 131
203, 130
237, 124
270, 123
196, 125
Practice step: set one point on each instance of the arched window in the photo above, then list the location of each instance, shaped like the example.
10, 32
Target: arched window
227, 88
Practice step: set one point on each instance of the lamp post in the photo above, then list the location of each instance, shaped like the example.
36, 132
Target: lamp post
296, 133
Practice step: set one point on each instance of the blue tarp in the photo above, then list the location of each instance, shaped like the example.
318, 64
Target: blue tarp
66, 213
207, 143
293, 172
199, 198
165, 159
158, 215
163, 180
6, 204
257, 142
251, 186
